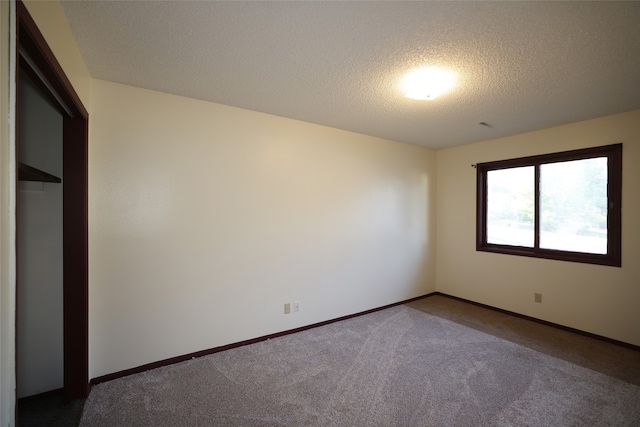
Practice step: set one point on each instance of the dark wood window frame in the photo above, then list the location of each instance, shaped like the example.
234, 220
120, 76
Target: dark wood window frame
613, 257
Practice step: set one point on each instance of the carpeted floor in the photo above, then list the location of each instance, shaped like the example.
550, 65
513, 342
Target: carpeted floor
605, 357
409, 365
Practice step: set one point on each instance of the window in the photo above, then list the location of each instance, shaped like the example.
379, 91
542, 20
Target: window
564, 206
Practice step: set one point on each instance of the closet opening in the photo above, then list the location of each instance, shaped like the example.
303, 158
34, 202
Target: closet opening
68, 177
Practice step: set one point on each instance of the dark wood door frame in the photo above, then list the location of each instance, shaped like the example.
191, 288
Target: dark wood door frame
37, 58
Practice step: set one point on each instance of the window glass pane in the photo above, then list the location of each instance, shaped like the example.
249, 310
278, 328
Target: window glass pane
573, 205
510, 206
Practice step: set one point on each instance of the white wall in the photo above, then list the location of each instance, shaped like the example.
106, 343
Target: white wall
205, 219
40, 321
597, 299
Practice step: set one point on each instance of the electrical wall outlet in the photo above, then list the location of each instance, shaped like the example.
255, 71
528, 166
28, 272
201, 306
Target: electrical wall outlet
537, 297
296, 306
287, 308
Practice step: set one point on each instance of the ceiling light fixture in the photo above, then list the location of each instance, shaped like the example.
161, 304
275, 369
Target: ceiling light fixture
427, 83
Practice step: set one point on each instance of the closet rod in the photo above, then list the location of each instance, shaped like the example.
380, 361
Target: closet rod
43, 79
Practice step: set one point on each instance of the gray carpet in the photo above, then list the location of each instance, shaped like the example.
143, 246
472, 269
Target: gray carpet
395, 367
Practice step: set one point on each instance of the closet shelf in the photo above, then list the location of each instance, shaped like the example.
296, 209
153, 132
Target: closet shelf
29, 173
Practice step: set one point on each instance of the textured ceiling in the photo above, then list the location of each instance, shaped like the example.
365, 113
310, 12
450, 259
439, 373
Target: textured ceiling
521, 65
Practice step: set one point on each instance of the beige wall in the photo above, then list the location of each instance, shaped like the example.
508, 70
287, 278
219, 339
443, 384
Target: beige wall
597, 299
205, 219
